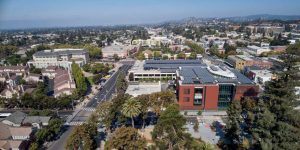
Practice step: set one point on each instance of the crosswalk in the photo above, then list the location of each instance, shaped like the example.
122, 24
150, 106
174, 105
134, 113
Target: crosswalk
89, 109
75, 123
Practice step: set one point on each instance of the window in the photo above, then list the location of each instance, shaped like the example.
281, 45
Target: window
225, 95
186, 91
186, 99
198, 96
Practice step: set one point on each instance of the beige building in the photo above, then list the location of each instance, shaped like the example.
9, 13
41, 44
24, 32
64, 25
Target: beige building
59, 57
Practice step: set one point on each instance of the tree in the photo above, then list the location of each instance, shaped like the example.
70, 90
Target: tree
169, 132
116, 57
271, 122
131, 108
145, 104
195, 48
82, 137
165, 57
181, 55
94, 52
126, 138
233, 129
161, 100
121, 84
157, 54
193, 55
34, 146
80, 80
140, 55
103, 111
279, 101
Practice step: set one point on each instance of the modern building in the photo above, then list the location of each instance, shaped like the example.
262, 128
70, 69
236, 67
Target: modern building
211, 87
59, 57
158, 69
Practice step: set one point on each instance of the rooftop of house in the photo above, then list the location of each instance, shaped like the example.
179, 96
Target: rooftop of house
211, 75
36, 119
10, 144
16, 68
16, 117
6, 131
22, 118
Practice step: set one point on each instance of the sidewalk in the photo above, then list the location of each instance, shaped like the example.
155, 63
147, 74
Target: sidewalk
87, 98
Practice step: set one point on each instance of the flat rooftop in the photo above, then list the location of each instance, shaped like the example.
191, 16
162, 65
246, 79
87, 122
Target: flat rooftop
59, 52
211, 75
163, 66
143, 88
170, 64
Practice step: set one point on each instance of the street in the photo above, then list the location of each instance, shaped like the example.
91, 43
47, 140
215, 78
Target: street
80, 116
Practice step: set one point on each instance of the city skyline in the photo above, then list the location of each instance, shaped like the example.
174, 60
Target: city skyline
33, 14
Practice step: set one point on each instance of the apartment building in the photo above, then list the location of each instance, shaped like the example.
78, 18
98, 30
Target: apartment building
241, 61
255, 50
64, 84
59, 57
211, 87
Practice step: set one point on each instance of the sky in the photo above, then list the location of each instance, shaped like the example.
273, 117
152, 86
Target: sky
59, 13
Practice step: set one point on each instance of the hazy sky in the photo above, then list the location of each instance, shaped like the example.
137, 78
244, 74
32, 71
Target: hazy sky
48, 13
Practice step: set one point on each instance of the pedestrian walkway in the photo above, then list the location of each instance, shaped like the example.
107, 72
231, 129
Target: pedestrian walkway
75, 123
92, 109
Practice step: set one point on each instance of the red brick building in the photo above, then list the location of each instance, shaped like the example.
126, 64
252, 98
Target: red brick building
211, 88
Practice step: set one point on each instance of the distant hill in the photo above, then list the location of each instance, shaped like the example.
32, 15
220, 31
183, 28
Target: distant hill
264, 17
197, 20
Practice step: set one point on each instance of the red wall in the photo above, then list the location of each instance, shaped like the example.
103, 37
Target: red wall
245, 91
209, 102
211, 97
187, 105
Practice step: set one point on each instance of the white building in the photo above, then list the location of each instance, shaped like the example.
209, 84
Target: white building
255, 50
118, 49
59, 57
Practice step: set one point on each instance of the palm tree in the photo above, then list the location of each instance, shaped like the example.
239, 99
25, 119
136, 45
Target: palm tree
131, 108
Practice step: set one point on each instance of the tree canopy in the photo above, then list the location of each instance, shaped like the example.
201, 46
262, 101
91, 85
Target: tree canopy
126, 138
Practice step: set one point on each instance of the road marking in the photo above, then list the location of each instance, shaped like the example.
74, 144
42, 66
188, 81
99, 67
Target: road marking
89, 109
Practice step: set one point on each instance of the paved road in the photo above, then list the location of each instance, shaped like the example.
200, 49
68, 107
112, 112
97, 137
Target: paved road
61, 142
83, 114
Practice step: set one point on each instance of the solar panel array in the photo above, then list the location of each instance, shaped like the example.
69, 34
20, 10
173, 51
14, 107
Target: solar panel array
192, 75
170, 64
196, 74
242, 78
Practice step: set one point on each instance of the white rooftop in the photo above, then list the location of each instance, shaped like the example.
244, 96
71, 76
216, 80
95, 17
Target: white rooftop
138, 67
143, 88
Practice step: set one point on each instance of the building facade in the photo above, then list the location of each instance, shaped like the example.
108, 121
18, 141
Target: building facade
211, 87
59, 57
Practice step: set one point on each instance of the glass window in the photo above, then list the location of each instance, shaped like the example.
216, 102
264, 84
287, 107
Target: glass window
225, 95
198, 96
